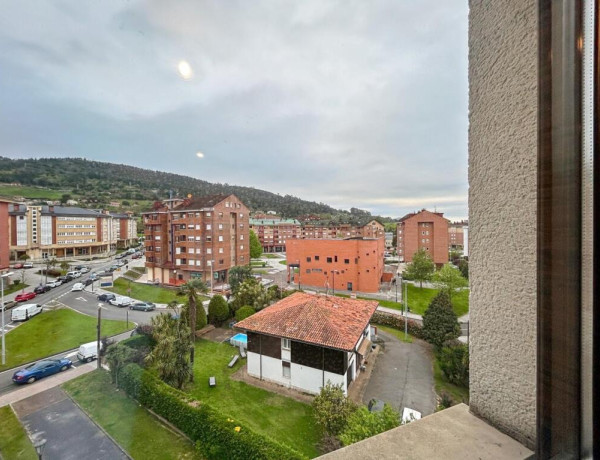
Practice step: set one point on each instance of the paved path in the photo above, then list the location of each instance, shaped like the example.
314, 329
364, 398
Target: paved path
69, 433
403, 376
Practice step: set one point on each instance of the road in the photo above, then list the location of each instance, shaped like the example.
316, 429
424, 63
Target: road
82, 301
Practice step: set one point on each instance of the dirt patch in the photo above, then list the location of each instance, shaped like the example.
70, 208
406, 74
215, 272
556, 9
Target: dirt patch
219, 334
241, 375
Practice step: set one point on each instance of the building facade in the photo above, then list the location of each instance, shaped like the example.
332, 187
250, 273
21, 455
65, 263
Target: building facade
289, 343
4, 235
457, 233
273, 233
43, 232
196, 238
354, 264
370, 229
423, 230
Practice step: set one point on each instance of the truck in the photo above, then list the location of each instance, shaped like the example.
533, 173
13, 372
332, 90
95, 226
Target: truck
24, 312
88, 352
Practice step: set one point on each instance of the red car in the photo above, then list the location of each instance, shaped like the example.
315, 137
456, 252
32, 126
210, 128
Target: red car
17, 266
25, 296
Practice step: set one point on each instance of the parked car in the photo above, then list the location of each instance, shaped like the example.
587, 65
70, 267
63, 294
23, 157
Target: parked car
24, 312
77, 287
120, 256
121, 301
88, 351
25, 296
78, 267
106, 297
65, 279
84, 270
41, 369
120, 263
88, 281
137, 255
17, 266
112, 268
74, 274
131, 250
142, 306
54, 283
9, 304
42, 288
27, 265
93, 276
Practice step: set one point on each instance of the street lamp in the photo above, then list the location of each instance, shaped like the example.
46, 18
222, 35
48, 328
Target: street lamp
39, 447
5, 275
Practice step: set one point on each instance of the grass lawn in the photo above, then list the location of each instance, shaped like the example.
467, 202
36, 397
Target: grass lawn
283, 262
140, 270
52, 332
14, 442
133, 274
277, 417
395, 332
147, 292
142, 435
260, 271
458, 394
14, 288
271, 256
30, 192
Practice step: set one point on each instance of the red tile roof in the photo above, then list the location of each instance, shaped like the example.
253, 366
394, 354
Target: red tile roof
332, 322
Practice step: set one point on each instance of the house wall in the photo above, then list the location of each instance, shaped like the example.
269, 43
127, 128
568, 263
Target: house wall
503, 136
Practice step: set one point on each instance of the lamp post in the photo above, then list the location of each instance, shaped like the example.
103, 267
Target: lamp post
39, 447
5, 275
99, 327
406, 311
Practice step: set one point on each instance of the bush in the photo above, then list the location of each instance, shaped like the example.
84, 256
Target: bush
201, 319
328, 444
332, 409
397, 322
139, 342
218, 310
244, 313
216, 435
454, 362
363, 424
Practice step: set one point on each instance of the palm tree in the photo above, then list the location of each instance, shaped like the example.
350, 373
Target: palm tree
190, 290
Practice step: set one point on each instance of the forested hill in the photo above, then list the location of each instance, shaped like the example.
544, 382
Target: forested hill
101, 183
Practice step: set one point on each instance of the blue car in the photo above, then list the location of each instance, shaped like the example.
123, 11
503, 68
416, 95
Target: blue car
41, 369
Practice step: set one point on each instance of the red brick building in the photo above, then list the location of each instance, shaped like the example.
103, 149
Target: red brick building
456, 234
354, 264
196, 238
273, 233
370, 229
423, 230
4, 235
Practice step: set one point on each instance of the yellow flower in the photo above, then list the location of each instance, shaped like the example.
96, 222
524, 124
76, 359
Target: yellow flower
237, 429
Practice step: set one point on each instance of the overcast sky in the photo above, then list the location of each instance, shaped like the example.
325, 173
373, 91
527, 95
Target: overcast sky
351, 103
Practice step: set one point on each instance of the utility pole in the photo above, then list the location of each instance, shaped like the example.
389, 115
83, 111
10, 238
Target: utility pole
98, 333
405, 311
5, 275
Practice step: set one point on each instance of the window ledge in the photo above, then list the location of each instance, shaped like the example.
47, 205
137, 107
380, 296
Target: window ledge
453, 433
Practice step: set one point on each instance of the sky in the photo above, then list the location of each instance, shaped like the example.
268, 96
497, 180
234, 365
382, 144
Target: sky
351, 103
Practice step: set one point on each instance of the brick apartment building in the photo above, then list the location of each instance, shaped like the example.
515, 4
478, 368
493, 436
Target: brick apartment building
458, 235
354, 264
370, 229
63, 231
195, 237
4, 235
273, 233
423, 230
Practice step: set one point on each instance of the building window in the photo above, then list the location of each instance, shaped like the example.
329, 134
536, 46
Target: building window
208, 227
346, 261
287, 371
221, 261
220, 214
221, 238
286, 344
308, 259
316, 258
220, 226
335, 258
241, 237
208, 250
220, 250
241, 247
329, 260
208, 214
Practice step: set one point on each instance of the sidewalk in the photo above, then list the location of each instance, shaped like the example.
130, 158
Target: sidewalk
45, 384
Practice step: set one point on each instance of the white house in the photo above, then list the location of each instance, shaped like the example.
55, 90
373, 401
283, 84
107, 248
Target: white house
306, 340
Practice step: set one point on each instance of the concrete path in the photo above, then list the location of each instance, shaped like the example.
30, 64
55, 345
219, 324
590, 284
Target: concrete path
403, 376
69, 433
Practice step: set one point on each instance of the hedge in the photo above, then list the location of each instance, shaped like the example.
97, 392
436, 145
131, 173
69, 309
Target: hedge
397, 322
216, 435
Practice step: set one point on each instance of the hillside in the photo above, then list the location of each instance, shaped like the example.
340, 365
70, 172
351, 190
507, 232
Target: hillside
98, 184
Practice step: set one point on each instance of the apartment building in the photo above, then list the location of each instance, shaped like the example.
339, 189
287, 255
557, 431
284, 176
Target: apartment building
369, 229
63, 231
423, 230
124, 227
4, 235
353, 264
199, 237
457, 233
273, 233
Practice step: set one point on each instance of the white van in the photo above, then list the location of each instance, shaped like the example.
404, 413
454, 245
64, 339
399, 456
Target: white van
88, 351
74, 274
121, 301
24, 312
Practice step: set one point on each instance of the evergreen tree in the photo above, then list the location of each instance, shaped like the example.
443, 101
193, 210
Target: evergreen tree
439, 321
255, 246
218, 310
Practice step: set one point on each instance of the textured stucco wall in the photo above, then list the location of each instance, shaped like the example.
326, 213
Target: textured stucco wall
502, 213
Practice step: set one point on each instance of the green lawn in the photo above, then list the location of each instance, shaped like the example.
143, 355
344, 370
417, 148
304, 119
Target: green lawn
280, 418
147, 292
140, 270
260, 271
395, 332
134, 274
31, 192
142, 435
458, 394
283, 262
14, 288
14, 442
271, 256
51, 332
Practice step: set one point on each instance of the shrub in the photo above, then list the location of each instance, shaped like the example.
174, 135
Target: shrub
139, 342
446, 401
332, 409
439, 321
454, 362
363, 424
201, 319
216, 435
244, 313
119, 356
328, 444
397, 322
218, 310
